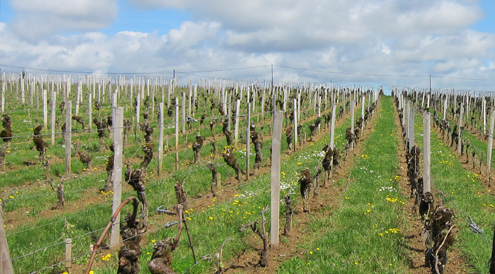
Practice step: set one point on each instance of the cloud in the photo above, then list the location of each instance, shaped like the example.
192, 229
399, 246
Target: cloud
291, 25
468, 44
340, 41
36, 19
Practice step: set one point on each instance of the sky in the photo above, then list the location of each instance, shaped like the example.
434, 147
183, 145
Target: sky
379, 42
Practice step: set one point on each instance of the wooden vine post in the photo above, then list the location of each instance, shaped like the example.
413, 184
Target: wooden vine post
90, 113
459, 142
263, 104
2, 104
352, 115
332, 127
248, 135
45, 108
78, 95
117, 124
275, 179
229, 109
362, 106
68, 254
406, 122
138, 102
410, 131
299, 106
5, 261
490, 146
52, 116
169, 90
176, 133
189, 99
294, 106
236, 127
68, 129
484, 114
184, 113
426, 153
23, 100
160, 138
445, 106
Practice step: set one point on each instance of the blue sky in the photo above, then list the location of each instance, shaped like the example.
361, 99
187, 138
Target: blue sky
161, 20
391, 42
487, 24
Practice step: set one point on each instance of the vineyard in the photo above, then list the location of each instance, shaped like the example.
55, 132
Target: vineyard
122, 174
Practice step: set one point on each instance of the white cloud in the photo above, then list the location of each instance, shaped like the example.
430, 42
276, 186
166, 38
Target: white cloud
37, 19
417, 37
297, 25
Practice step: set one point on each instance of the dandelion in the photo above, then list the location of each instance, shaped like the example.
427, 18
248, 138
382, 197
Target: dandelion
299, 163
318, 248
211, 218
311, 252
11, 197
153, 241
106, 257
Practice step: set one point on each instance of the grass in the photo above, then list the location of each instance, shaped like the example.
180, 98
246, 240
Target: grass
361, 235
461, 190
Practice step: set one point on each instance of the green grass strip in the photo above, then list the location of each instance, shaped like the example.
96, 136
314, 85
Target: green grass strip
362, 235
461, 190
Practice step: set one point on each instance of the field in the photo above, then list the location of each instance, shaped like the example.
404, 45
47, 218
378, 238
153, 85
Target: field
364, 219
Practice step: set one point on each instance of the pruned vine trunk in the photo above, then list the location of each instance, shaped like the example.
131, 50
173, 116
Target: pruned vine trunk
214, 179
288, 216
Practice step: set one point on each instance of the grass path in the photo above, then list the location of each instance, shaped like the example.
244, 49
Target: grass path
362, 235
463, 191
